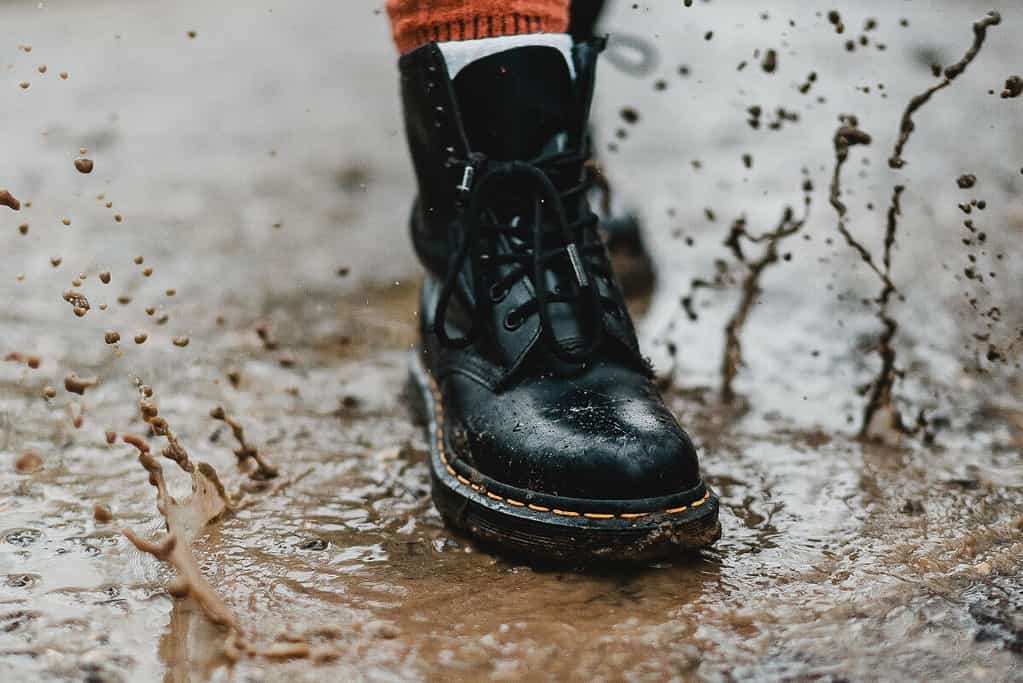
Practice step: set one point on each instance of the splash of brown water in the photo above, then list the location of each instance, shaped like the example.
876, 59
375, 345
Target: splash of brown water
186, 520
788, 226
907, 126
881, 417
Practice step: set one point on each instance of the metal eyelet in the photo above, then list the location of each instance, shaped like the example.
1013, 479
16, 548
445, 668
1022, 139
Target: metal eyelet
512, 321
497, 294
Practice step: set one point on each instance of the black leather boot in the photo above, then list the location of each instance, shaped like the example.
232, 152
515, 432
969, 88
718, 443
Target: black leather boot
547, 437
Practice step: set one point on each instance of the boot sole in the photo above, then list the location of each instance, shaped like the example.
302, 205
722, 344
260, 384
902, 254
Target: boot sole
551, 532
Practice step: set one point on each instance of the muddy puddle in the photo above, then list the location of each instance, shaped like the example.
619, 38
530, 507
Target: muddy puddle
281, 305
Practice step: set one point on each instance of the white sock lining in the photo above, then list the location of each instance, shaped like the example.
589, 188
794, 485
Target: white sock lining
459, 54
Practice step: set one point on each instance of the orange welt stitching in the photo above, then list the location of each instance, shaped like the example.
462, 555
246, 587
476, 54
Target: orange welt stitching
439, 418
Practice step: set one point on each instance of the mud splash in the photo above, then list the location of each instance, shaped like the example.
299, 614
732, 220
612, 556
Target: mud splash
907, 125
190, 518
185, 520
882, 419
789, 225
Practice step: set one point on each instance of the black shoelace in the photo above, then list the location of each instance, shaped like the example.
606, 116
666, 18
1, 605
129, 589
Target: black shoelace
541, 239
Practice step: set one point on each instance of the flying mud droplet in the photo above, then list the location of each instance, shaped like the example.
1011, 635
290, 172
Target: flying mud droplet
102, 514
269, 343
78, 385
804, 87
28, 462
63, 75
139, 260
966, 181
41, 68
1013, 87
835, 19
23, 228
49, 392
112, 337
84, 165
9, 200
104, 277
192, 34
148, 271
76, 299
24, 85
180, 341
629, 115
770, 63
124, 299
55, 261
110, 436
66, 221
141, 338
76, 419
33, 362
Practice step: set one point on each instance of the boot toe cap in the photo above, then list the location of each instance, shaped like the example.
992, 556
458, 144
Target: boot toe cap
609, 438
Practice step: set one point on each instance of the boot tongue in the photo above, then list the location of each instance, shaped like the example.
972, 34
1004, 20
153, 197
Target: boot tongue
516, 104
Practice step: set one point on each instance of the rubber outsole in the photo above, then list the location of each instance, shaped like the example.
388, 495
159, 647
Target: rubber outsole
554, 533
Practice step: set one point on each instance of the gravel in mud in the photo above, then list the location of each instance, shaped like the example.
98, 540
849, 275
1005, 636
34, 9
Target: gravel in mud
296, 489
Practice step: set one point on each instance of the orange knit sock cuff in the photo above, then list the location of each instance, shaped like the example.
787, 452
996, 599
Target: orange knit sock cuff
415, 22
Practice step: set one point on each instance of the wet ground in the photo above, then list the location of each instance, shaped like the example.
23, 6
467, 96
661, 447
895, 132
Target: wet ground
259, 170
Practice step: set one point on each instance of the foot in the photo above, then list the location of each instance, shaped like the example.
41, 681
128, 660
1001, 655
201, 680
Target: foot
548, 438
